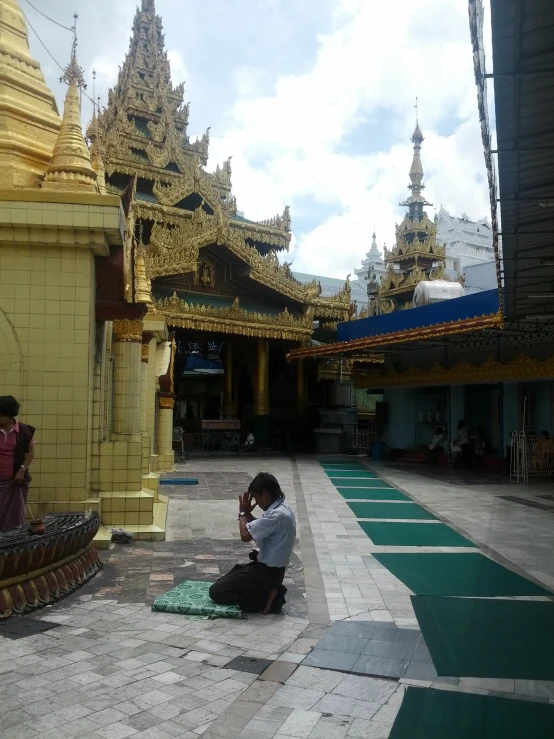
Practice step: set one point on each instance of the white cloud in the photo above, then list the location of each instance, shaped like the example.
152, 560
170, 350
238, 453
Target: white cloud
106, 71
286, 145
179, 72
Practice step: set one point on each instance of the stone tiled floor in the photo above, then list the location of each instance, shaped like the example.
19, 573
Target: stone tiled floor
112, 669
202, 544
358, 588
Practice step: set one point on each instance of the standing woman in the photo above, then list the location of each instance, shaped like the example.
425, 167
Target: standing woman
16, 454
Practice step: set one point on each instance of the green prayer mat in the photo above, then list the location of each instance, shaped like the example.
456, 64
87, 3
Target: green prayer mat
191, 598
372, 494
444, 714
389, 510
470, 574
489, 638
413, 534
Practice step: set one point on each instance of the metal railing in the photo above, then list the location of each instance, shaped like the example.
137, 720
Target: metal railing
530, 457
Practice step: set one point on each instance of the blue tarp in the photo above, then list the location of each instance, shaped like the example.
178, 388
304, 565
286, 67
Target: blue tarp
468, 306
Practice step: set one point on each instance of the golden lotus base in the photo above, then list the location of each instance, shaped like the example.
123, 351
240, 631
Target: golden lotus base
37, 570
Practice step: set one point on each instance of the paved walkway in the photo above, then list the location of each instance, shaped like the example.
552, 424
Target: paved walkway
111, 668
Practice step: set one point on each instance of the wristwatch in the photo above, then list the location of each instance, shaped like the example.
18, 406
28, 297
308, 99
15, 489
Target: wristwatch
23, 467
241, 515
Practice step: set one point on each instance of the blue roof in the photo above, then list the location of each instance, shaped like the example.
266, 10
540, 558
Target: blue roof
475, 305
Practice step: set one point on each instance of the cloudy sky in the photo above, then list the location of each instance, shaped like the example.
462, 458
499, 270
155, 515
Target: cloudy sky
313, 99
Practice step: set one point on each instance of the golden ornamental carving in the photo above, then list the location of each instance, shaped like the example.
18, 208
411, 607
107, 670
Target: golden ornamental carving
166, 403
234, 319
127, 329
177, 239
520, 368
330, 369
174, 250
205, 272
143, 286
439, 273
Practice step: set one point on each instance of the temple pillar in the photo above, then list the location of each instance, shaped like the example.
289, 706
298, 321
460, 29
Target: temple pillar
300, 387
127, 335
166, 402
260, 420
229, 407
166, 456
147, 337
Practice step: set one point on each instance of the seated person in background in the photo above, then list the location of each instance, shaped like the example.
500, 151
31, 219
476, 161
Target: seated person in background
436, 446
258, 586
250, 441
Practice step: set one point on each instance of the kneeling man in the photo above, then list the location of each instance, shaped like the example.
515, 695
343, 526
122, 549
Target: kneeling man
258, 586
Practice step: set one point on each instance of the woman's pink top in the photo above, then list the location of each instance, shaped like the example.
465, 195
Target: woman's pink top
7, 450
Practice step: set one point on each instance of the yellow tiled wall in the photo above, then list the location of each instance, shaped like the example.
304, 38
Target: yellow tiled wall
46, 294
62, 371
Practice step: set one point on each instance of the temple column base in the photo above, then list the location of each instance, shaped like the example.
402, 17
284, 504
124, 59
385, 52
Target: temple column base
128, 497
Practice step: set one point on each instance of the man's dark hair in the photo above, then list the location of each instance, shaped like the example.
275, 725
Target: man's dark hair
265, 481
8, 406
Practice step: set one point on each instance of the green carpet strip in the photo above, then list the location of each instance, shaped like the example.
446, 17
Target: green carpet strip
353, 473
442, 714
462, 574
331, 467
359, 482
372, 494
389, 510
191, 598
488, 638
418, 534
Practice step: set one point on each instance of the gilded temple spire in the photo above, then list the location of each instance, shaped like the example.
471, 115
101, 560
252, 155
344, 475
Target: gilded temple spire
416, 255
28, 110
416, 202
71, 167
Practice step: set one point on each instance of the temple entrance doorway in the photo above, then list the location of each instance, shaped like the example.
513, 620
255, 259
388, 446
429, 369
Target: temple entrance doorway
243, 383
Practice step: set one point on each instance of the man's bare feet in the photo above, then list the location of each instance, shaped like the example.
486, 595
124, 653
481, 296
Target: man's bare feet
270, 601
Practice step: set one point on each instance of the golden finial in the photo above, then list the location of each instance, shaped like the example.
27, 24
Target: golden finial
71, 168
417, 135
73, 71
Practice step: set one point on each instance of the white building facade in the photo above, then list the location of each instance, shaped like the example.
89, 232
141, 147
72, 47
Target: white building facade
467, 242
373, 264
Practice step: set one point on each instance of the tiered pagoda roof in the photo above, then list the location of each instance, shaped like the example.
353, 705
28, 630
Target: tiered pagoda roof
416, 255
180, 208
